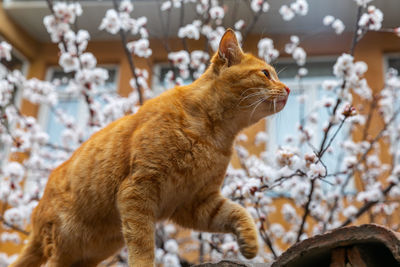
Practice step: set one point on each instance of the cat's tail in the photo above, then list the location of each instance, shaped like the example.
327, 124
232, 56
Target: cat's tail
31, 255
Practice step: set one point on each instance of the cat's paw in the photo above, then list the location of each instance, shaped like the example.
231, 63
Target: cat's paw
248, 245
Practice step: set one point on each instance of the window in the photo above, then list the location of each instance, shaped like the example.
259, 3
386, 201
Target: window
72, 105
285, 124
393, 61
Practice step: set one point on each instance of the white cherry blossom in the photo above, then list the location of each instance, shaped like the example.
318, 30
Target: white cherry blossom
140, 48
257, 5
266, 50
286, 12
111, 22
69, 62
189, 31
338, 26
372, 19
126, 6
328, 20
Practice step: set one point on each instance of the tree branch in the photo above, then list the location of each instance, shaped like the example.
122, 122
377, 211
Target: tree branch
253, 22
367, 206
355, 35
306, 210
15, 228
130, 59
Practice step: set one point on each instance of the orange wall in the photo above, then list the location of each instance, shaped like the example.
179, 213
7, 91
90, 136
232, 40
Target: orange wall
17, 36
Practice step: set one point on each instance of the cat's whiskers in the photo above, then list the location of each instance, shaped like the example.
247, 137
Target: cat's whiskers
270, 92
251, 95
252, 88
258, 103
256, 94
273, 95
284, 68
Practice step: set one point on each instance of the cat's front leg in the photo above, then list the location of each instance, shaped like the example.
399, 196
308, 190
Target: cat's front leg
136, 204
214, 213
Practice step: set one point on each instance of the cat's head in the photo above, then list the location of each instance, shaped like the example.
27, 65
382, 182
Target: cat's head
251, 81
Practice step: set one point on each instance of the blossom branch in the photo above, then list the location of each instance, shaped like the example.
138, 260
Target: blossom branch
322, 148
87, 86
306, 210
130, 58
371, 144
367, 206
355, 35
15, 228
263, 232
352, 172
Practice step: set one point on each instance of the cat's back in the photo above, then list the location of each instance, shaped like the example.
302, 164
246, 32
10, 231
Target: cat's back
106, 154
96, 164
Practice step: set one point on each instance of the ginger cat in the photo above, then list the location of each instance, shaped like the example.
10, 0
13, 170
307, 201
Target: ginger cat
167, 161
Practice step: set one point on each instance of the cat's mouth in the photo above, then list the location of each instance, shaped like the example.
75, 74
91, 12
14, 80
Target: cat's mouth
281, 100
279, 103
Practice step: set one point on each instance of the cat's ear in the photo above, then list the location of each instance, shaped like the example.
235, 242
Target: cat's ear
229, 49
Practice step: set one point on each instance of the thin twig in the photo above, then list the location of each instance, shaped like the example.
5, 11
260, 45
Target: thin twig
253, 22
306, 211
355, 35
264, 234
333, 136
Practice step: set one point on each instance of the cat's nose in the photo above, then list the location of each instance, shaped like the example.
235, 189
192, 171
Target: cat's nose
287, 90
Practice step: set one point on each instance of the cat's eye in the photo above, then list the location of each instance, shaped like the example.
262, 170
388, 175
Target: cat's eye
266, 72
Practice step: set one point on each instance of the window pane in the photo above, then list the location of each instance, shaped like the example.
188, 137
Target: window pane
54, 128
394, 62
287, 121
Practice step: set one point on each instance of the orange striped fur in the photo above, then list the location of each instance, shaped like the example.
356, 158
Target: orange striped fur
167, 161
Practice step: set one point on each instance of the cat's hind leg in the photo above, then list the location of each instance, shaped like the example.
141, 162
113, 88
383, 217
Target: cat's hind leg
136, 204
215, 213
